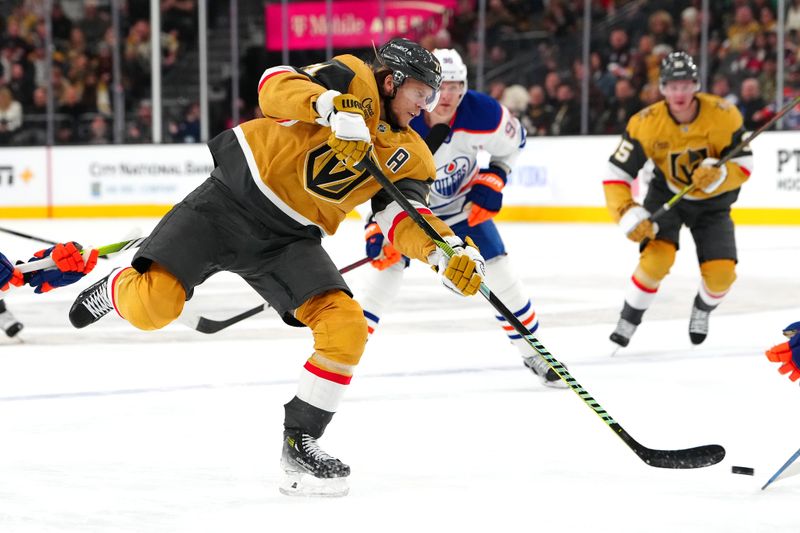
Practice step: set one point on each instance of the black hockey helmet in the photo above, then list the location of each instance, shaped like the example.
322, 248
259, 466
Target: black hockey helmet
677, 66
407, 59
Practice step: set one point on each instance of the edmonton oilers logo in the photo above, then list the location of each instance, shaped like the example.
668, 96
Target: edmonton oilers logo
450, 176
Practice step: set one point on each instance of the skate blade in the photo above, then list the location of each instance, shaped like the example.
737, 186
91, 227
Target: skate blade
555, 384
306, 485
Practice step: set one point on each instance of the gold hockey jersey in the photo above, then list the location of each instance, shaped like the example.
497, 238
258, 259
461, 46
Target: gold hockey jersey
290, 166
675, 150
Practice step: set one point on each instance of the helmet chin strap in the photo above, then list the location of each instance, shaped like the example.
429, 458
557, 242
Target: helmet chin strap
391, 117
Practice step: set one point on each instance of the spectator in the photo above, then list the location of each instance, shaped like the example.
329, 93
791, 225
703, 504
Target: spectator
94, 22
689, 31
188, 129
752, 105
793, 16
722, 88
180, 16
551, 82
624, 105
661, 26
620, 59
10, 115
140, 130
516, 99
98, 131
743, 29
567, 118
539, 115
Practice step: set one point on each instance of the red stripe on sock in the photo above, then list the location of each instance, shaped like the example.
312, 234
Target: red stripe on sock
642, 287
330, 376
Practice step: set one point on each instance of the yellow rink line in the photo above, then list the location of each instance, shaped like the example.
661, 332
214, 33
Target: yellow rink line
512, 213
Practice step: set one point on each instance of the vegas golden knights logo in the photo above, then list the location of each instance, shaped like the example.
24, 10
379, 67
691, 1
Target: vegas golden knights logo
682, 164
328, 178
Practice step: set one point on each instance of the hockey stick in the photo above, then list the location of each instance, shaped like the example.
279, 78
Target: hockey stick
733, 153
436, 136
688, 458
209, 326
102, 251
32, 237
786, 465
27, 236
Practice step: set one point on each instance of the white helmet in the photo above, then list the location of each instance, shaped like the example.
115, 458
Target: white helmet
453, 67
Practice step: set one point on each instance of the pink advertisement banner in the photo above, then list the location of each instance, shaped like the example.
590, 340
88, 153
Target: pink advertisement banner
355, 24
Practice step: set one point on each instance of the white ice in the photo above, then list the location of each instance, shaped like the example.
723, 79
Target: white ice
110, 429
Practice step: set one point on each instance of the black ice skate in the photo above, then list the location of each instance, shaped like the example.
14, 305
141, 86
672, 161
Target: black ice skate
542, 370
309, 471
698, 325
93, 303
623, 333
8, 322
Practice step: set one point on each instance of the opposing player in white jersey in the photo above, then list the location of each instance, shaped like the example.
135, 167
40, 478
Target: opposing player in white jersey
466, 197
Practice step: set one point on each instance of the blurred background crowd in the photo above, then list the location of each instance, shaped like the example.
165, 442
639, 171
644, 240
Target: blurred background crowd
529, 56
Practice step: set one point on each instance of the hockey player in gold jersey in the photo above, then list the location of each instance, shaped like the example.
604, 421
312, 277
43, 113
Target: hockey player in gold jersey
281, 183
679, 140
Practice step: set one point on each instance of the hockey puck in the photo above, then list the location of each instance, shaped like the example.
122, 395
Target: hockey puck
745, 470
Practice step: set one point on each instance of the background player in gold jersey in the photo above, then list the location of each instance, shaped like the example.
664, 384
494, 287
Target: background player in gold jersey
280, 184
683, 136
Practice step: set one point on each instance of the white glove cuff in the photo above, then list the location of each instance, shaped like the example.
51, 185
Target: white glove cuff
324, 107
710, 162
349, 127
632, 218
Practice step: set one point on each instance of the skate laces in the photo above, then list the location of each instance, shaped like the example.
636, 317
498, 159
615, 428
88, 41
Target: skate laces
698, 322
312, 448
97, 302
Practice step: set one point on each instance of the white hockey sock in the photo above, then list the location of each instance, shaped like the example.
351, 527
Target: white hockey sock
638, 295
508, 288
322, 388
711, 299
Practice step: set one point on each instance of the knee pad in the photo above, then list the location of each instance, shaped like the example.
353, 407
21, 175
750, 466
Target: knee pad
655, 261
718, 274
150, 300
339, 328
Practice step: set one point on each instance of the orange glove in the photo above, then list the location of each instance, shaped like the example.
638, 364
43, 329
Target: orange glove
486, 194
382, 253
9, 274
787, 353
70, 267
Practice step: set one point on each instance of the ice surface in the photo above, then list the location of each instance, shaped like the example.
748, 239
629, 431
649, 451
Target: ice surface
110, 429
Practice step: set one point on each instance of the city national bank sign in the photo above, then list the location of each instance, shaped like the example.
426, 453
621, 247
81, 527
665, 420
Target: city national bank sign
355, 24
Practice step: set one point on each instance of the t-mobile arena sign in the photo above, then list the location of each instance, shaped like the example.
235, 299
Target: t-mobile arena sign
354, 24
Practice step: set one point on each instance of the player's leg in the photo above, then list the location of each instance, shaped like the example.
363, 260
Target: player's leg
507, 286
655, 262
379, 289
181, 252
715, 241
303, 285
8, 322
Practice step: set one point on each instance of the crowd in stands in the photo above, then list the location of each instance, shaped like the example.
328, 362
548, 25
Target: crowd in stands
628, 41
82, 63
533, 62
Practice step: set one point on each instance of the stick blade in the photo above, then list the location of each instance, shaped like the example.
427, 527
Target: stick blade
209, 326
698, 457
